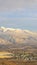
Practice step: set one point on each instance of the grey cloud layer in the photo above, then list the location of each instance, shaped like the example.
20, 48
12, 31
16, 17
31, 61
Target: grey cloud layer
14, 4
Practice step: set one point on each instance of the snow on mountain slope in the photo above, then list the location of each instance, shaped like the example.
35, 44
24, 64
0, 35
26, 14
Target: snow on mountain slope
12, 36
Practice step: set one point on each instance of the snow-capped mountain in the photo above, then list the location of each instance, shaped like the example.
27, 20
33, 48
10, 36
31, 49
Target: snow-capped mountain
17, 38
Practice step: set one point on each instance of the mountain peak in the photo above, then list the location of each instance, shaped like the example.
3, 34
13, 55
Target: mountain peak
4, 29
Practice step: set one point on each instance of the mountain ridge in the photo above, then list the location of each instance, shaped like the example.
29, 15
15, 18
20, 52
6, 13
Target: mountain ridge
17, 37
5, 29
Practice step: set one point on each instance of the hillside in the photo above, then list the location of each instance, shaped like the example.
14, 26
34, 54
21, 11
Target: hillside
17, 38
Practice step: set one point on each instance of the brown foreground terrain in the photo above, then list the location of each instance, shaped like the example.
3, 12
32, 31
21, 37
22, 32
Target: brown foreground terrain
10, 62
18, 57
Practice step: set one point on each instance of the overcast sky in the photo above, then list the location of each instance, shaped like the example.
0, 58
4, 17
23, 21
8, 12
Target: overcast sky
19, 14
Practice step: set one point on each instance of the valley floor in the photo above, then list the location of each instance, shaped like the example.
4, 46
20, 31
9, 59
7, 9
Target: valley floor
10, 62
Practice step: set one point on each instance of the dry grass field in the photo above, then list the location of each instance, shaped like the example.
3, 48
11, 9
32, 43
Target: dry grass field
10, 62
18, 58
